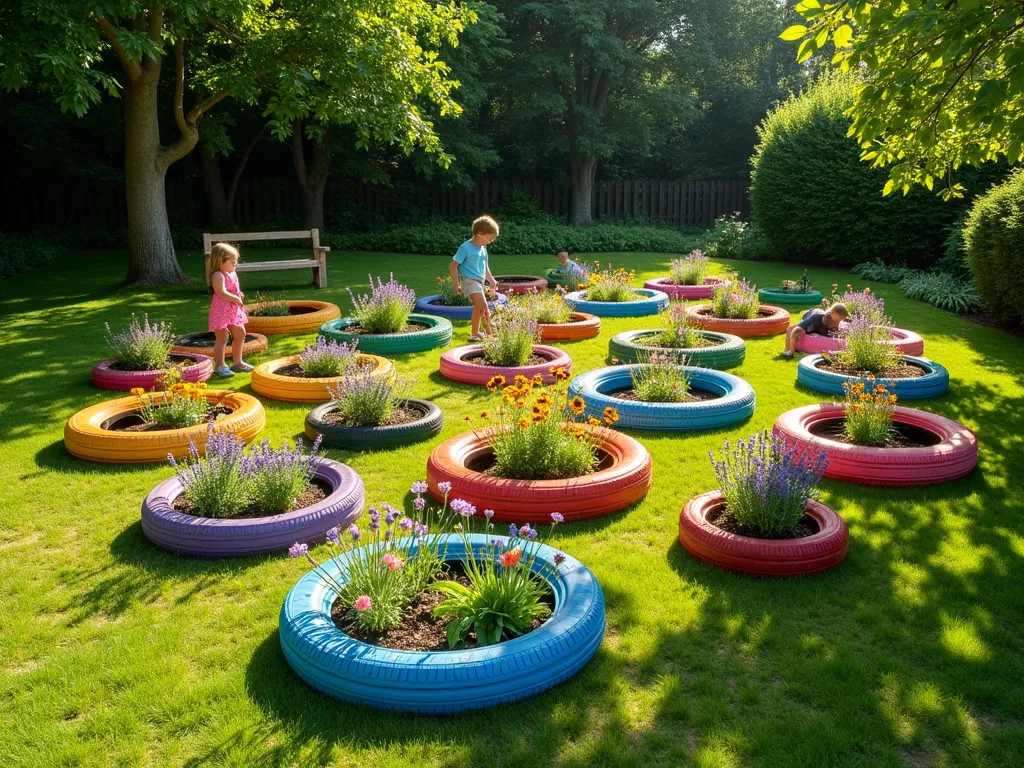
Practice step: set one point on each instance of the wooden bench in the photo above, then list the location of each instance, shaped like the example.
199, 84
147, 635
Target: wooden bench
318, 263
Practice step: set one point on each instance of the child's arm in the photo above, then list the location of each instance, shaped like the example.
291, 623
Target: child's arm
453, 268
220, 290
490, 278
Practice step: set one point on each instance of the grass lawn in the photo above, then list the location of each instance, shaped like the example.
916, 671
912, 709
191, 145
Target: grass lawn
113, 652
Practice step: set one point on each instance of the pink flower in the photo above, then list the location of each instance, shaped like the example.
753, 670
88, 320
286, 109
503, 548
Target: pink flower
393, 562
363, 603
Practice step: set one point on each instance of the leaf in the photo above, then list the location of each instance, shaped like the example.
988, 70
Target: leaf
929, 182
843, 36
805, 51
454, 633
888, 188
794, 32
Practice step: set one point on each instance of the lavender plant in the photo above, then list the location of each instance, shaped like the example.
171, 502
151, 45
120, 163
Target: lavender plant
866, 346
679, 331
661, 380
766, 482
141, 346
275, 478
328, 359
448, 295
515, 333
738, 301
366, 400
690, 270
386, 309
865, 303
545, 306
214, 484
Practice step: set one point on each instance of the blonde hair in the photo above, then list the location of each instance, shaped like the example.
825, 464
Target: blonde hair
220, 253
485, 225
840, 309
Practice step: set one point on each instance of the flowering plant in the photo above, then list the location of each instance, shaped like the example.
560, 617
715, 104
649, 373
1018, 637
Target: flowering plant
276, 478
450, 297
610, 284
679, 331
867, 412
141, 346
690, 270
328, 359
866, 346
386, 309
366, 400
183, 403
545, 306
866, 303
738, 301
766, 482
661, 380
514, 334
803, 285
269, 307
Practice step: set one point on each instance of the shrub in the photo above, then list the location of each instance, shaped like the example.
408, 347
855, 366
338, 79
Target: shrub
815, 199
867, 415
994, 233
386, 309
22, 253
327, 359
661, 380
881, 272
366, 400
943, 290
514, 334
448, 295
954, 250
141, 346
610, 284
733, 238
544, 306
737, 301
690, 270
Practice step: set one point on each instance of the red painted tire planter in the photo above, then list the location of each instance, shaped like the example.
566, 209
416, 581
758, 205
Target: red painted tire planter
907, 342
583, 326
453, 367
225, 537
772, 321
763, 557
105, 377
521, 284
704, 291
201, 343
532, 501
953, 457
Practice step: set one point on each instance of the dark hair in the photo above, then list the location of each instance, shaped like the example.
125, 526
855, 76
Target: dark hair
562, 250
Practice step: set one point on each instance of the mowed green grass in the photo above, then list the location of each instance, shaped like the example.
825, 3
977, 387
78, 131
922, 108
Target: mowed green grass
113, 652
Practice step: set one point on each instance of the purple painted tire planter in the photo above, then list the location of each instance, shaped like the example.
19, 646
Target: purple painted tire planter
705, 291
213, 537
105, 377
906, 342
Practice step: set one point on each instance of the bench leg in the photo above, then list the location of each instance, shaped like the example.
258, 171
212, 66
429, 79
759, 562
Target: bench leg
320, 273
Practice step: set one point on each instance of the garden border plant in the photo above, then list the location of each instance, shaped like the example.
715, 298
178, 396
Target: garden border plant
143, 354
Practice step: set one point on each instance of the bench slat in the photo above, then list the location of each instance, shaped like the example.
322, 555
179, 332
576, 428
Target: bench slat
302, 234
265, 266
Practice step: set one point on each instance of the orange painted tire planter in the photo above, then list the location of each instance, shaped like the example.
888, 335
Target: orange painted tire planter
291, 389
583, 326
313, 315
763, 557
86, 438
625, 480
254, 344
772, 321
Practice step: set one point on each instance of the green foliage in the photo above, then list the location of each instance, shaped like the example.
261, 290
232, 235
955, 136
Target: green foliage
733, 238
816, 201
738, 301
22, 253
365, 399
268, 306
661, 380
450, 298
522, 207
866, 346
690, 270
141, 346
994, 234
943, 290
178, 409
679, 331
867, 412
611, 284
954, 250
514, 334
545, 306
881, 272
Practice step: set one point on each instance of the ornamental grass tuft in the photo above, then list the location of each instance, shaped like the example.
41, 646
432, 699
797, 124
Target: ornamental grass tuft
545, 307
364, 399
661, 380
514, 334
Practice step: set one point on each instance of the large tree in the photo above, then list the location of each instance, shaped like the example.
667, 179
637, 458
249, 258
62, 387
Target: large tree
943, 87
364, 63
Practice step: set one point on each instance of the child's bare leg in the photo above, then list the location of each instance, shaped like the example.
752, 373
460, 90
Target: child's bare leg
237, 340
219, 345
793, 336
479, 313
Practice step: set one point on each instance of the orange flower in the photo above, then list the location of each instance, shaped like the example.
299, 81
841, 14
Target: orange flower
892, 400
594, 422
880, 389
466, 418
137, 391
538, 379
520, 380
524, 422
495, 381
577, 405
484, 415
611, 415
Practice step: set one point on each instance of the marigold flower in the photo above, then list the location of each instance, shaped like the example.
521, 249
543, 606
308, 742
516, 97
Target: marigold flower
538, 379
892, 399
466, 418
880, 389
520, 380
520, 403
577, 405
538, 417
484, 415
524, 423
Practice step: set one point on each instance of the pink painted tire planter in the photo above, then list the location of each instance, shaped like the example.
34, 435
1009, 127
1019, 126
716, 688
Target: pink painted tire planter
686, 291
105, 377
812, 554
453, 367
907, 342
516, 285
953, 456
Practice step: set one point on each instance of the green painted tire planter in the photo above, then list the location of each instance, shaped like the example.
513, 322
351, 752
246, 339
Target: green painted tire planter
560, 277
778, 296
364, 438
728, 353
438, 333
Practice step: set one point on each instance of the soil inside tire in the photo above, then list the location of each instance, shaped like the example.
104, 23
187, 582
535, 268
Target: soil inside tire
443, 303
131, 421
694, 395
315, 492
722, 519
702, 342
901, 435
515, 279
483, 463
400, 414
901, 371
294, 371
479, 358
407, 328
172, 359
204, 340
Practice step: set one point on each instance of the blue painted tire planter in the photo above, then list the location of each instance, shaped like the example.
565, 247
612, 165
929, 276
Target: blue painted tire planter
442, 682
779, 296
437, 333
934, 383
652, 303
426, 306
226, 537
728, 351
735, 402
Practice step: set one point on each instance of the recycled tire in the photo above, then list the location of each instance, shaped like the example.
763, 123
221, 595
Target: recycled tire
292, 389
425, 306
443, 682
370, 438
438, 333
778, 296
560, 277
907, 342
86, 438
582, 326
625, 481
772, 321
763, 557
317, 313
254, 344
105, 377
652, 303
523, 284
735, 402
705, 291
232, 537
934, 383
452, 365
953, 457
727, 353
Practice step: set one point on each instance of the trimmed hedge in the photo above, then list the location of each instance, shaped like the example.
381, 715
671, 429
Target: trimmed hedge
21, 253
994, 235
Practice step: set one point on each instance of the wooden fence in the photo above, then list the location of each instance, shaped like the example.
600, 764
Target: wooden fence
276, 201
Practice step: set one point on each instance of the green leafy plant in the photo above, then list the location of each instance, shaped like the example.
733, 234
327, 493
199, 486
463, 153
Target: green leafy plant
803, 285
943, 290
545, 306
268, 307
690, 270
182, 404
514, 334
367, 400
881, 272
867, 346
679, 331
733, 238
867, 413
610, 284
449, 297
994, 233
738, 301
661, 380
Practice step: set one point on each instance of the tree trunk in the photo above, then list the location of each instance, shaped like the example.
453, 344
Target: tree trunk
582, 170
312, 179
151, 257
213, 184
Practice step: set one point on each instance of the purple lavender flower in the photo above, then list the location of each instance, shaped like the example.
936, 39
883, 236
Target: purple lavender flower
532, 533
392, 514
353, 531
405, 524
419, 530
524, 531
444, 487
386, 308
332, 536
513, 530
298, 550
559, 558
488, 513
327, 358
387, 535
463, 507
420, 486
419, 502
557, 517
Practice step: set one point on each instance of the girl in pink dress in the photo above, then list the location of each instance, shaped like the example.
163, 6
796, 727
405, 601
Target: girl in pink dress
227, 309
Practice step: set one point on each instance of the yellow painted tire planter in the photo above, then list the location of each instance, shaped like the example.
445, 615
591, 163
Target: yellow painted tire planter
309, 316
87, 434
291, 389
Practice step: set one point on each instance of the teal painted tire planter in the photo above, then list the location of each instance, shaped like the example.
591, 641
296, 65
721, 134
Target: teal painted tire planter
727, 353
437, 333
735, 402
934, 383
442, 682
651, 303
778, 296
367, 438
560, 277
426, 306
